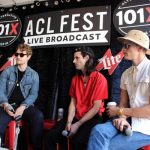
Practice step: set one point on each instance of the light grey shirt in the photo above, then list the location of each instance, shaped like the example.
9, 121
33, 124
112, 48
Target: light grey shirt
138, 89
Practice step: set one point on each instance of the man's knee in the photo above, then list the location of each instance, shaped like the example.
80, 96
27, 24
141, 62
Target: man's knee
97, 130
38, 117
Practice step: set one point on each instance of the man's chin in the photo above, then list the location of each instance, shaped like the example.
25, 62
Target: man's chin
127, 58
77, 68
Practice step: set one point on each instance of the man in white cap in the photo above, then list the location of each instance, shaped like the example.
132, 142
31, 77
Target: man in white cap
134, 101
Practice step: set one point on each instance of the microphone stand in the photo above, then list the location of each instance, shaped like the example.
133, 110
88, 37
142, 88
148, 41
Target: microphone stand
17, 119
2, 148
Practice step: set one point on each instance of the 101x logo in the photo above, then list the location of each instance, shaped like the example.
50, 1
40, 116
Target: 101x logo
132, 14
10, 28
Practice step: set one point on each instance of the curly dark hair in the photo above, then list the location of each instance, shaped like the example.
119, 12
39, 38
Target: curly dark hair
90, 67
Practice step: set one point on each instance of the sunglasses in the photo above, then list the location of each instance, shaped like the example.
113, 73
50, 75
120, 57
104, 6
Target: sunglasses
20, 54
126, 46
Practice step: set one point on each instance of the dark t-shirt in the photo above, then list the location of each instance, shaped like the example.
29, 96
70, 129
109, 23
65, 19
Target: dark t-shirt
16, 96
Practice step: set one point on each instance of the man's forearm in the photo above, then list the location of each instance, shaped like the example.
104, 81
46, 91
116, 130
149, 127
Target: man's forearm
89, 115
71, 114
142, 112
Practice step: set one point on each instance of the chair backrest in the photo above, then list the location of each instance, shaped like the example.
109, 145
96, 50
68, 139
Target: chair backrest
146, 147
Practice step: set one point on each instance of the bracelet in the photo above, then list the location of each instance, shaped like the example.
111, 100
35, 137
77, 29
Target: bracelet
120, 111
123, 116
68, 122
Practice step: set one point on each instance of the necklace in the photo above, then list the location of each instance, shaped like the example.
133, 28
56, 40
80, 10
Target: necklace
85, 79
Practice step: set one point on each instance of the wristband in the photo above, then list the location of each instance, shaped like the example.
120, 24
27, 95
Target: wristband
26, 106
120, 112
68, 122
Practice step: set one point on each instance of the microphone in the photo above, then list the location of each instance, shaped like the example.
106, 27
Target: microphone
18, 118
65, 133
127, 131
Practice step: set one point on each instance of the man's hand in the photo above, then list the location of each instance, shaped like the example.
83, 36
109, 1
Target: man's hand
68, 126
120, 123
112, 111
74, 128
9, 109
19, 111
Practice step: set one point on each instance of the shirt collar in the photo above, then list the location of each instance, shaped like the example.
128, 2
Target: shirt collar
92, 74
140, 66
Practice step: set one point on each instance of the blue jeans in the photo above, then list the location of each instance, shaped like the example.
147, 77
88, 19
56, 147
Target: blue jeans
107, 137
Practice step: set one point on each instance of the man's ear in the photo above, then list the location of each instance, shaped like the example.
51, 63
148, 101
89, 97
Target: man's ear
141, 49
87, 57
29, 56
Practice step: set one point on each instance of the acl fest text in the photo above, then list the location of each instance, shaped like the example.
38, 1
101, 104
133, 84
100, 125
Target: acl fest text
72, 26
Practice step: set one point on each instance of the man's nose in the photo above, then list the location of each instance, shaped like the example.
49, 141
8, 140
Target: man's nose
124, 49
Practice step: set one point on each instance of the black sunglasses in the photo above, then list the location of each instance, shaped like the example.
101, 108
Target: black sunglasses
126, 46
20, 54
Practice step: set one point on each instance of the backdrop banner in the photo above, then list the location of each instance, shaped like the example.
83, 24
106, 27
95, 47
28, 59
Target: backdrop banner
10, 28
80, 26
132, 14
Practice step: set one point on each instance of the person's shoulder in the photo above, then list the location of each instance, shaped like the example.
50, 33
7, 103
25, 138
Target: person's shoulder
97, 74
9, 68
148, 66
32, 71
8, 71
148, 62
76, 76
127, 71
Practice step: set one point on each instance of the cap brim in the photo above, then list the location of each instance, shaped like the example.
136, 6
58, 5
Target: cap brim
122, 39
148, 52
